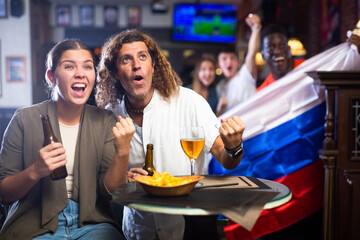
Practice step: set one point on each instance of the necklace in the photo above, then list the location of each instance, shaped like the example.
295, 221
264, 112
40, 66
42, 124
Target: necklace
131, 108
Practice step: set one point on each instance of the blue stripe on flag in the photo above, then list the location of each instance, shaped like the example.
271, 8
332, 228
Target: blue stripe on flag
281, 150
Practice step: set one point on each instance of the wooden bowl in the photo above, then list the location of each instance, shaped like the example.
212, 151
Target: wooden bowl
177, 190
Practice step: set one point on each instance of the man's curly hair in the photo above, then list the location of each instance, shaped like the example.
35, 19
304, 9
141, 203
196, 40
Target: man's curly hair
109, 89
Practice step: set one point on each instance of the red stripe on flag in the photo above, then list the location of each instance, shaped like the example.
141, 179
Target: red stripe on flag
307, 187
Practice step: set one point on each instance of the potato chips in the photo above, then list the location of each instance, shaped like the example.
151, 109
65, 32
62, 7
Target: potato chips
165, 180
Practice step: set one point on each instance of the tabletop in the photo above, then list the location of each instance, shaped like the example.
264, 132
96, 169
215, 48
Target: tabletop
171, 205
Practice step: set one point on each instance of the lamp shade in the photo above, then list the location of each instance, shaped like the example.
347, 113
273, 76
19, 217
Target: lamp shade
296, 47
259, 60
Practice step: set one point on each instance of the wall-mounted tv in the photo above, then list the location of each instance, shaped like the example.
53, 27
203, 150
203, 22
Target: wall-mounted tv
199, 22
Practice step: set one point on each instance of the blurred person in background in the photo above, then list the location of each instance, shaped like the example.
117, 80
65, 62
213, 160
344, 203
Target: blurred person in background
277, 54
238, 85
204, 81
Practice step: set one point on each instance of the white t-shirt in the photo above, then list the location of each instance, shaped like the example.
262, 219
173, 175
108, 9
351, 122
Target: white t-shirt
241, 87
69, 138
162, 121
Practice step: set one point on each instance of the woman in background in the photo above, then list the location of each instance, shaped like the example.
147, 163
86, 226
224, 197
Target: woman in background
204, 81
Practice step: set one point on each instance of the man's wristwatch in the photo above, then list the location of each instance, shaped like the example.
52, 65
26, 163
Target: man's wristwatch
237, 153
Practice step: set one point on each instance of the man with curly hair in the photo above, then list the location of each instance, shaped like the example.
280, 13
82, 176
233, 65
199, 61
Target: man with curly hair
136, 80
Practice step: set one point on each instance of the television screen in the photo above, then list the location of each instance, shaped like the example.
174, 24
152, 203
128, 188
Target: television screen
204, 22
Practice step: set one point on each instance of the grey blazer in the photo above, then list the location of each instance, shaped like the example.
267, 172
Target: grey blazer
37, 212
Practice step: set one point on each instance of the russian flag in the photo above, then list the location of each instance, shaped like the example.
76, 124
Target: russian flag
284, 131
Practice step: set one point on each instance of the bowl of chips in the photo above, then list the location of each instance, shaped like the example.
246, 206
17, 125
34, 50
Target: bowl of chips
166, 185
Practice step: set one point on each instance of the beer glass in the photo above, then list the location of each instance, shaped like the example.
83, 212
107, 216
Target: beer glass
192, 139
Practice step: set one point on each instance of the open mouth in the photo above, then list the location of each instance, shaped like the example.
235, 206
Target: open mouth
278, 59
138, 78
79, 87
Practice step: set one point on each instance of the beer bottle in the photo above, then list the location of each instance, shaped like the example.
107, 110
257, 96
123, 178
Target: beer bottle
149, 167
49, 137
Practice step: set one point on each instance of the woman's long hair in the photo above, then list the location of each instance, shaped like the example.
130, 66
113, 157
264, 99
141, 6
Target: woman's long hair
196, 84
109, 89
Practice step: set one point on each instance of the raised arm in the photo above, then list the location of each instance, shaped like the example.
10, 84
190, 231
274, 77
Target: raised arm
229, 141
117, 172
254, 22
